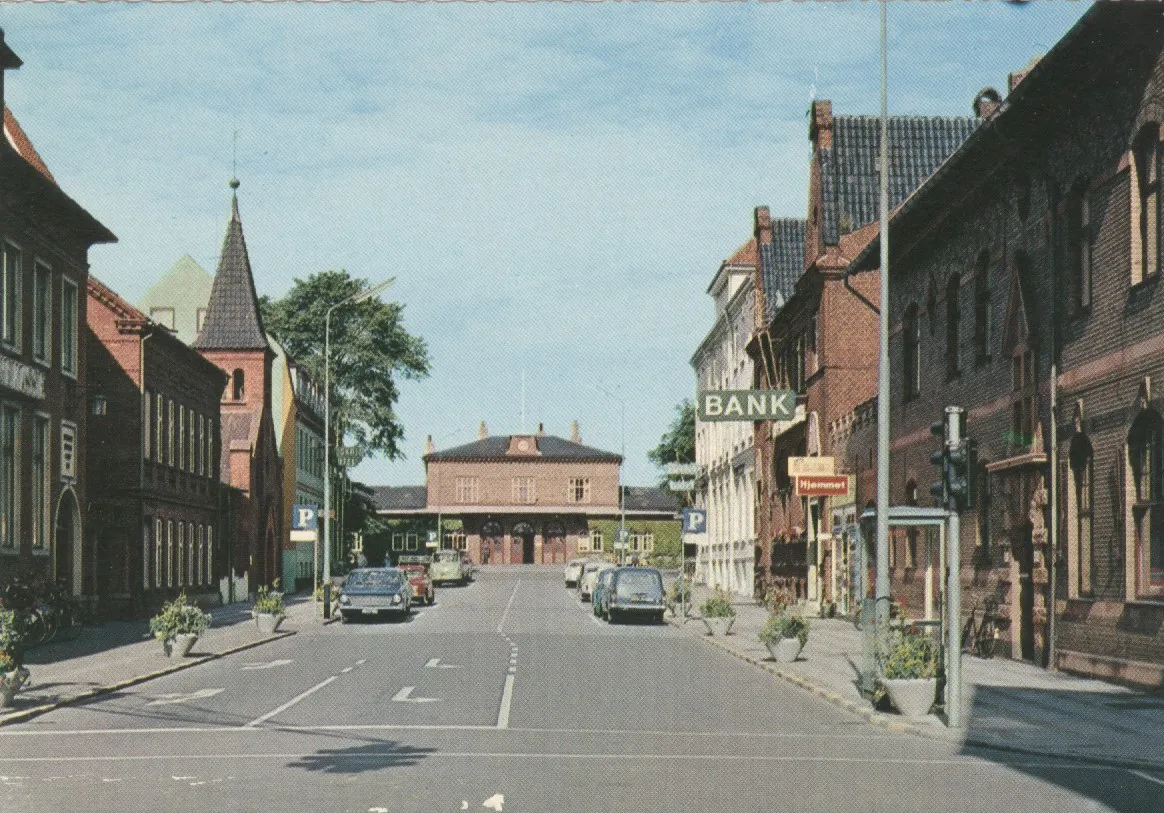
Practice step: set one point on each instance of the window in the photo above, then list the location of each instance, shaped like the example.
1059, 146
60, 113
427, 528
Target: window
595, 540
70, 313
10, 295
201, 552
41, 481
147, 429
209, 553
911, 533
163, 316
191, 444
181, 437
159, 564
911, 352
1146, 458
812, 339
201, 319
1081, 460
9, 484
467, 490
1078, 235
642, 542
411, 540
42, 312
397, 541
983, 316
1022, 378
457, 540
1146, 261
159, 427
201, 444
190, 553
171, 562
210, 432
524, 490
171, 458
68, 450
953, 327
579, 490
238, 383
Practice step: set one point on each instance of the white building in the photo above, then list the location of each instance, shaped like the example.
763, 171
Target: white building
723, 450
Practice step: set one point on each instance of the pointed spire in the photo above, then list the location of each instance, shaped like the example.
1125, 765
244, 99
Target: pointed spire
482, 432
575, 433
429, 448
233, 321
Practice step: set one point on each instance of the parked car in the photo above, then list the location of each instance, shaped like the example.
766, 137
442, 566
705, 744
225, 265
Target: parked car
589, 577
635, 591
417, 569
468, 568
602, 591
374, 591
574, 571
447, 568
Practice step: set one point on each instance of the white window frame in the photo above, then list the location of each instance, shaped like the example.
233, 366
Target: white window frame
467, 490
68, 447
10, 502
11, 280
42, 312
579, 490
159, 544
525, 490
70, 326
41, 448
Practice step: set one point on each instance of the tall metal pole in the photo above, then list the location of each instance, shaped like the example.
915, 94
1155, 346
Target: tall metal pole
621, 495
954, 586
882, 587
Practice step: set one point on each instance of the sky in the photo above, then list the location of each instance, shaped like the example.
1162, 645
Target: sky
553, 185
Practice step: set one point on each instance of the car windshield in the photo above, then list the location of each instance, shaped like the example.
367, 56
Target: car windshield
365, 579
448, 556
590, 567
633, 583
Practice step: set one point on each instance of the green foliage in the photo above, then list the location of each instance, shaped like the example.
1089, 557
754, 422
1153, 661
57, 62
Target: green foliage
781, 626
679, 591
910, 654
269, 601
370, 348
11, 640
178, 617
776, 599
677, 445
717, 605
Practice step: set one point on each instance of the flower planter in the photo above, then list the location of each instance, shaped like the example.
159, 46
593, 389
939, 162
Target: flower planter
267, 622
785, 650
183, 643
10, 684
913, 697
721, 625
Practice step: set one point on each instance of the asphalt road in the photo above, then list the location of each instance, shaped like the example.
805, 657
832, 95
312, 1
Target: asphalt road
508, 695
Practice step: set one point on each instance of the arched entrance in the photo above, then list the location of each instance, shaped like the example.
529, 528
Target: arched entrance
492, 543
523, 543
554, 543
67, 547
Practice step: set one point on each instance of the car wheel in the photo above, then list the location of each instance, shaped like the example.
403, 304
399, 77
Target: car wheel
344, 618
431, 598
659, 618
612, 616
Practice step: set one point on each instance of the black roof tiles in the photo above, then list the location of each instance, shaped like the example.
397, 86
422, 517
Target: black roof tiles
233, 321
549, 447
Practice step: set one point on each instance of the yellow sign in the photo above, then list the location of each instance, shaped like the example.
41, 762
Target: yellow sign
810, 466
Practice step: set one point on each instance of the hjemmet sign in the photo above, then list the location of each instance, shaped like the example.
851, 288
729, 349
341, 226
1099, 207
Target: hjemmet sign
746, 405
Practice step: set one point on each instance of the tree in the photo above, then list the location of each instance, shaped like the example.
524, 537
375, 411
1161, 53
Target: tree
369, 349
678, 443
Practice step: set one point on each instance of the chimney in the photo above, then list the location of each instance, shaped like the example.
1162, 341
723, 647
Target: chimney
986, 102
541, 429
482, 432
429, 448
8, 61
762, 231
820, 128
575, 433
1013, 80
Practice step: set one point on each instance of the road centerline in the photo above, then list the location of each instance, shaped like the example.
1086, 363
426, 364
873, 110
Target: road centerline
290, 703
509, 604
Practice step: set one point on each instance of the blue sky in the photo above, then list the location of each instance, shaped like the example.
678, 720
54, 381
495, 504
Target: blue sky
553, 185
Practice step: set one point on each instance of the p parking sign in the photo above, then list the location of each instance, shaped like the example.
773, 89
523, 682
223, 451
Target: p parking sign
694, 521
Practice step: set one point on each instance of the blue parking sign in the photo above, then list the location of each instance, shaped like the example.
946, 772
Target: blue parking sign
304, 517
694, 521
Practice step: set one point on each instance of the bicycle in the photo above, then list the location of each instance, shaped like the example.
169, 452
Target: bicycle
982, 640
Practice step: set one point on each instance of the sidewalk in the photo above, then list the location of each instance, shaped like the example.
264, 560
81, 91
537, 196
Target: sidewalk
118, 654
1008, 705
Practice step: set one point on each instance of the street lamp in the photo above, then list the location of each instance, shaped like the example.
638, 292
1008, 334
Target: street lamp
621, 497
359, 296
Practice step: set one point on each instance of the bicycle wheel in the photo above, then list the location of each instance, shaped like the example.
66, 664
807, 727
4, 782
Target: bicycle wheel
36, 627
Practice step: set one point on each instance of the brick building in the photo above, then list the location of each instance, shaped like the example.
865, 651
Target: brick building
232, 338
156, 525
1027, 270
821, 341
45, 392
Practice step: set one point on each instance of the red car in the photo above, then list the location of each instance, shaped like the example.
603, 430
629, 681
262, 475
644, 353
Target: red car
416, 569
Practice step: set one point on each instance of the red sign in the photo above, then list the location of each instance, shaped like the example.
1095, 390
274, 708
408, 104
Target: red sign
822, 485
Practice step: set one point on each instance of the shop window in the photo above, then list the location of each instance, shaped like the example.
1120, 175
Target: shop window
1146, 457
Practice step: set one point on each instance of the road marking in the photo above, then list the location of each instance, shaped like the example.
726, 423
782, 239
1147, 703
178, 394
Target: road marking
1147, 776
435, 663
505, 614
405, 696
494, 802
361, 661
254, 667
168, 699
289, 703
347, 669
506, 702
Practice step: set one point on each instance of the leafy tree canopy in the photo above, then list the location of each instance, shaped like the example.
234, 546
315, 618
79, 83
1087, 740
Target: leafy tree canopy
370, 350
678, 443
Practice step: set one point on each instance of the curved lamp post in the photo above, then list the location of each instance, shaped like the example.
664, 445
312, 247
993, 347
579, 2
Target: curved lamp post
351, 300
621, 499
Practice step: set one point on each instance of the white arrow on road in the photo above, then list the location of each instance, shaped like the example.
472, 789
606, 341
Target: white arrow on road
495, 801
405, 696
435, 663
166, 699
254, 667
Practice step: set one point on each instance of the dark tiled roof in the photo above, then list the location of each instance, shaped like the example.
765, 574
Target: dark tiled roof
850, 194
649, 498
781, 264
399, 498
232, 317
549, 446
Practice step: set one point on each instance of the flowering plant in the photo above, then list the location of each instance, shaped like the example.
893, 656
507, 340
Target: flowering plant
269, 601
912, 654
179, 617
781, 626
717, 605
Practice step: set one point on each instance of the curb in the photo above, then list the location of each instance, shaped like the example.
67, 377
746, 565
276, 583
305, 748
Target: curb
889, 723
27, 714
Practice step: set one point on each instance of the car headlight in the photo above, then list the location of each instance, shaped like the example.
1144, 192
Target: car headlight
396, 599
345, 600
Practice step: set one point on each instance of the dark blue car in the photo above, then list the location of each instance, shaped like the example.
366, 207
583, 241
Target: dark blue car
635, 592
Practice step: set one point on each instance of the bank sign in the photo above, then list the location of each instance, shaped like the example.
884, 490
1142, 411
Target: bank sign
746, 405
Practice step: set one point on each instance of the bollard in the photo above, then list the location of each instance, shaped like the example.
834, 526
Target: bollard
327, 599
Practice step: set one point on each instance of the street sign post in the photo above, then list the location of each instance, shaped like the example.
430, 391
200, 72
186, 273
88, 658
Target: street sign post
305, 528
347, 456
681, 485
682, 469
822, 485
746, 405
810, 465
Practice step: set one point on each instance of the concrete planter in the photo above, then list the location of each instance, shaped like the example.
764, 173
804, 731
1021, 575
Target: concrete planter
10, 684
719, 626
913, 697
786, 650
267, 622
183, 643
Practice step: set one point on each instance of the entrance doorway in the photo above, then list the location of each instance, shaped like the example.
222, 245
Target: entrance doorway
523, 542
67, 542
1024, 556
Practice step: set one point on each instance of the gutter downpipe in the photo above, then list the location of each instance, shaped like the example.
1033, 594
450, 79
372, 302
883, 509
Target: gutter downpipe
145, 427
881, 594
1053, 542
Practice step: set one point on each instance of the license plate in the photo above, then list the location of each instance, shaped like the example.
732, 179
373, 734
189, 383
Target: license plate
370, 611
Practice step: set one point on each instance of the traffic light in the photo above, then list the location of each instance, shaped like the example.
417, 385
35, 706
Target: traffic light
940, 488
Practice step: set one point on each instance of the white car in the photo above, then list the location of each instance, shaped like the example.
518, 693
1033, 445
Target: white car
574, 571
590, 578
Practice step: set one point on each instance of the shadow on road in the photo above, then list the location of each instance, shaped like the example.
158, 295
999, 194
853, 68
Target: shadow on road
372, 756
